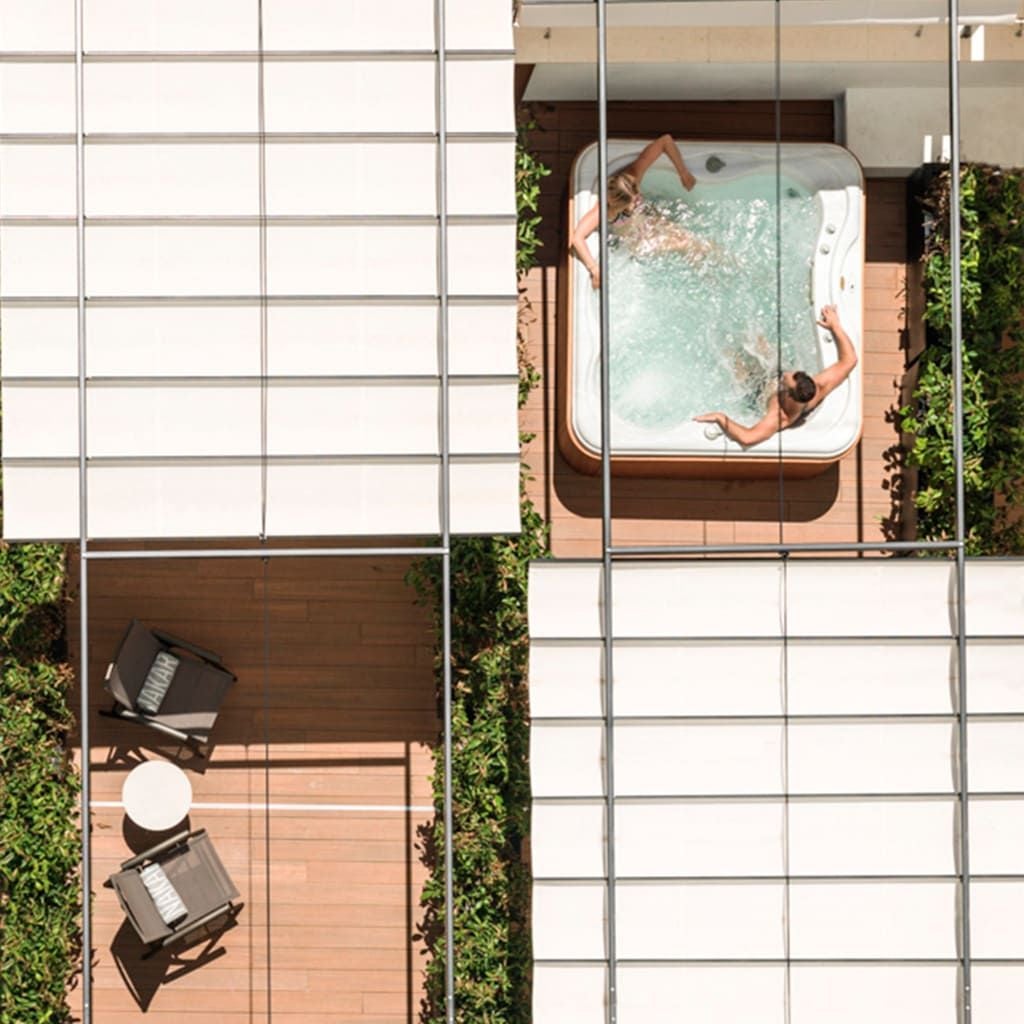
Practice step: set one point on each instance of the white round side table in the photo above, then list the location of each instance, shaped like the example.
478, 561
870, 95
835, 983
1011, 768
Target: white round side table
156, 795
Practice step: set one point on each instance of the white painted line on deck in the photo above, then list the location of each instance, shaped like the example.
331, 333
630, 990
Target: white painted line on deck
401, 808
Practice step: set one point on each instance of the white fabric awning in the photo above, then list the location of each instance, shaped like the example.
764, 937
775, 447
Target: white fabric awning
261, 279
786, 790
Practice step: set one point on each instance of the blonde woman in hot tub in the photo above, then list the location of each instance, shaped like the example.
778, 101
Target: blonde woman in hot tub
643, 228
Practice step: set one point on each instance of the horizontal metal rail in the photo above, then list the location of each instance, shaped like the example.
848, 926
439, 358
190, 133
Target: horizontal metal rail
683, 550
154, 554
776, 797
850, 718
243, 56
772, 639
298, 380
777, 961
327, 299
326, 458
781, 878
202, 138
246, 220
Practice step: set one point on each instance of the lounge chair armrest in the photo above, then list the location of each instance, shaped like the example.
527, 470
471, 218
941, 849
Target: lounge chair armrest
202, 922
151, 854
199, 652
153, 723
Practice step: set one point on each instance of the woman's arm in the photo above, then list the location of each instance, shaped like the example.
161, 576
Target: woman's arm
587, 225
666, 145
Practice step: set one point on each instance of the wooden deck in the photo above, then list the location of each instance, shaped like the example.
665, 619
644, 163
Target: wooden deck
859, 499
339, 717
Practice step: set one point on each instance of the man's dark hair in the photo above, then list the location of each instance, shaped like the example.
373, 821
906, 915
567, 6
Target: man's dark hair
804, 388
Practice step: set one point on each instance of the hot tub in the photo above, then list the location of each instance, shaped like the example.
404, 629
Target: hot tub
683, 327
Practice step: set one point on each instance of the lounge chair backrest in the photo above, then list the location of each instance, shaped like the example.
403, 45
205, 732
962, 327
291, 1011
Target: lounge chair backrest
131, 663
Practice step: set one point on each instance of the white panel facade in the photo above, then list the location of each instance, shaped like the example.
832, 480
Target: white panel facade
352, 178
568, 994
176, 96
786, 805
349, 259
698, 920
46, 25
35, 178
328, 25
261, 278
39, 341
164, 260
379, 96
133, 25
171, 341
37, 98
705, 994
852, 993
167, 180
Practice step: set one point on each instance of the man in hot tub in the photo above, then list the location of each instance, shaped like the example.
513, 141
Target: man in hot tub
795, 393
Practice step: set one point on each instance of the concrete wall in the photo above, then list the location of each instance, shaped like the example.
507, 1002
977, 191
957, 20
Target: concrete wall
886, 128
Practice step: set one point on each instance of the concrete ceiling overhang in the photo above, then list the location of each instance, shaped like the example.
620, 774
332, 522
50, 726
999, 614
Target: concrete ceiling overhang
754, 80
728, 50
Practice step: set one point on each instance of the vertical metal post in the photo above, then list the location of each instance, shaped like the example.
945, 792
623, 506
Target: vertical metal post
261, 113
445, 494
83, 521
606, 504
956, 310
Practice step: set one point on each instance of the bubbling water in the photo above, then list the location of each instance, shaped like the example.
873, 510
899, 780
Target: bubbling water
692, 331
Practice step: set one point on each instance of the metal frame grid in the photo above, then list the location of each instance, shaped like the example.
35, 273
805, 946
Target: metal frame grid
265, 300
612, 553
265, 551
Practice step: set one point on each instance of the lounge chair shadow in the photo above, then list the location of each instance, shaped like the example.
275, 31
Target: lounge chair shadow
138, 839
123, 755
143, 977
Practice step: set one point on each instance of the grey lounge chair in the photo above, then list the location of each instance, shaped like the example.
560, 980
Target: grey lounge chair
192, 866
191, 703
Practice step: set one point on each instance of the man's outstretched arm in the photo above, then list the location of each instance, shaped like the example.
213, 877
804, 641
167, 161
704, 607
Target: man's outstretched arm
834, 375
773, 421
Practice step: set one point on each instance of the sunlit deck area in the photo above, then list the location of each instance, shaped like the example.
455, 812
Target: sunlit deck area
314, 792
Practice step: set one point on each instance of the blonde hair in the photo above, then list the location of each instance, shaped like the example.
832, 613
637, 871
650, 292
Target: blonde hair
623, 188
